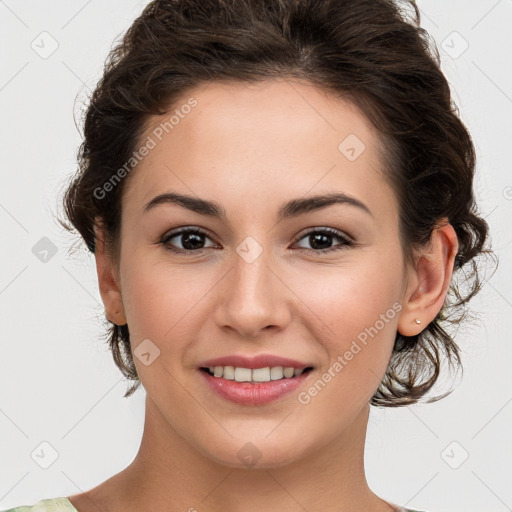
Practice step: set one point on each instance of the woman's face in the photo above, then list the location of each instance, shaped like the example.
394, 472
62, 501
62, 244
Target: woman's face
256, 282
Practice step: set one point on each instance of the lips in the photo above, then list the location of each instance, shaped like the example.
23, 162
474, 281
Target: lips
254, 393
258, 361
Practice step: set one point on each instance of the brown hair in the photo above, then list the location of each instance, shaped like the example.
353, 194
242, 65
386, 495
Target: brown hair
367, 51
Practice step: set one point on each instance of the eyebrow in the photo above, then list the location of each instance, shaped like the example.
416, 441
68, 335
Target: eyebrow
292, 208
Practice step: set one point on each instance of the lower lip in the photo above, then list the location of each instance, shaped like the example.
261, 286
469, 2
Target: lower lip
247, 393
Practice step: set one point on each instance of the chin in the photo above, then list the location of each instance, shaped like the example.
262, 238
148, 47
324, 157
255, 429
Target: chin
255, 455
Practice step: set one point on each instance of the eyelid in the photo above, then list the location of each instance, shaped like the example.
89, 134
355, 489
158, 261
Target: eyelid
186, 229
346, 240
326, 229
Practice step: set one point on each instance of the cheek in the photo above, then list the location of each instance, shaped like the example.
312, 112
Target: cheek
358, 347
355, 315
348, 299
161, 300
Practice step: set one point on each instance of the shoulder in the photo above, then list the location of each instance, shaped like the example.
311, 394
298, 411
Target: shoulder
47, 505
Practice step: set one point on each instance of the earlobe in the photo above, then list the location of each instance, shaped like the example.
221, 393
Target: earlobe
108, 280
429, 281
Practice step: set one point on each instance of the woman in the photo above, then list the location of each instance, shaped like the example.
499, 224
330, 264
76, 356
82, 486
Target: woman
278, 196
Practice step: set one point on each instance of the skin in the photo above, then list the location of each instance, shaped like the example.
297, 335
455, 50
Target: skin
250, 148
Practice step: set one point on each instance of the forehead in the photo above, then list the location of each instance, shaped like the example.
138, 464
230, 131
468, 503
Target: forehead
262, 139
262, 114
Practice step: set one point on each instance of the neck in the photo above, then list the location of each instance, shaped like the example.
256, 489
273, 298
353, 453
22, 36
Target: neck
168, 474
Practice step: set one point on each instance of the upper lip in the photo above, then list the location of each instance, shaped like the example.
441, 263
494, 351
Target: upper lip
259, 361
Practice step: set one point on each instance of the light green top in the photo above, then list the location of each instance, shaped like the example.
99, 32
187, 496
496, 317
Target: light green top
48, 505
64, 505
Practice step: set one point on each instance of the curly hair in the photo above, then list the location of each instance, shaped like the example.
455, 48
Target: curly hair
371, 52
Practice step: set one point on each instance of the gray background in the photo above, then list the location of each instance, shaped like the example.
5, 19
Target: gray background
59, 384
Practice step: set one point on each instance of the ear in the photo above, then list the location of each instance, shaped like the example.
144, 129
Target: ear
108, 279
429, 282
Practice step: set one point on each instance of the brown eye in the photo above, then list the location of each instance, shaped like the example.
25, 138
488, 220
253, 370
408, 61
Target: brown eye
321, 239
191, 240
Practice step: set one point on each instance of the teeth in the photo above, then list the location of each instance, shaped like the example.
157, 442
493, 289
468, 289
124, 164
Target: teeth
228, 373
276, 373
258, 374
255, 375
288, 372
241, 374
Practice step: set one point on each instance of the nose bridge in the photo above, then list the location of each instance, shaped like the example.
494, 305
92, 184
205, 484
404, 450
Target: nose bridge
251, 279
253, 297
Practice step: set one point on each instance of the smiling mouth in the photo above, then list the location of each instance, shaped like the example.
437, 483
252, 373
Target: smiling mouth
257, 375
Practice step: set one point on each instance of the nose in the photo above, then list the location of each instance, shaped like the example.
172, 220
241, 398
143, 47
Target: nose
254, 298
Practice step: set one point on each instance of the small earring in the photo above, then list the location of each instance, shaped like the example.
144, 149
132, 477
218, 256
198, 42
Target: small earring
418, 321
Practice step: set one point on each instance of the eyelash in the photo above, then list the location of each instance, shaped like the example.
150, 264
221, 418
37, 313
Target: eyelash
346, 242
